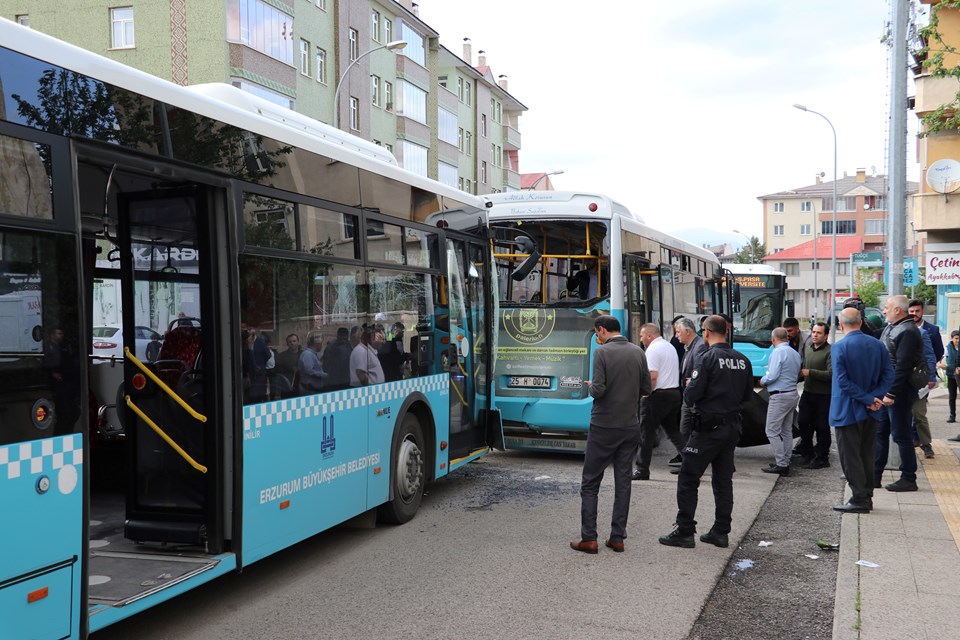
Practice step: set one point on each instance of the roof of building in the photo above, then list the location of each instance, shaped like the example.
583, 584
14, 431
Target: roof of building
845, 246
877, 185
527, 180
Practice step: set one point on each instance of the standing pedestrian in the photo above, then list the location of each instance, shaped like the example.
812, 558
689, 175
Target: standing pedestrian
951, 368
694, 347
662, 407
814, 418
797, 337
620, 379
905, 346
933, 352
288, 367
862, 373
721, 381
783, 372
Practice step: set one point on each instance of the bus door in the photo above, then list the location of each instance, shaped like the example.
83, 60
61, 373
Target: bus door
468, 351
642, 295
174, 446
42, 399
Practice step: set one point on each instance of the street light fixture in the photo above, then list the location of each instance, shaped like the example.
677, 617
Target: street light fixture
753, 259
538, 180
833, 269
396, 45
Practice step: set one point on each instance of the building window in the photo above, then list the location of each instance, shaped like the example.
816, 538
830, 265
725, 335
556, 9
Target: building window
876, 203
387, 29
874, 227
354, 46
806, 207
23, 19
466, 93
790, 268
844, 227
496, 107
468, 143
483, 172
321, 63
262, 27
304, 57
483, 125
460, 88
411, 101
388, 95
460, 184
375, 25
263, 92
778, 229
778, 207
375, 90
447, 126
844, 203
354, 113
843, 268
460, 139
805, 229
414, 157
121, 23
415, 49
447, 174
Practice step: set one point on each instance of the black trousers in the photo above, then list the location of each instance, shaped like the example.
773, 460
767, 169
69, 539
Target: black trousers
659, 409
814, 418
708, 448
857, 447
605, 446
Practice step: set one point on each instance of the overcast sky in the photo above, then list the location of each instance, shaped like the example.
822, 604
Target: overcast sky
682, 110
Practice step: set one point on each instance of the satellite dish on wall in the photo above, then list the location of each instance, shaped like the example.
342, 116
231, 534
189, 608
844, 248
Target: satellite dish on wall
943, 176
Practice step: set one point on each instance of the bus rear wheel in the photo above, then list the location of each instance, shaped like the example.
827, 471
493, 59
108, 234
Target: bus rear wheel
408, 473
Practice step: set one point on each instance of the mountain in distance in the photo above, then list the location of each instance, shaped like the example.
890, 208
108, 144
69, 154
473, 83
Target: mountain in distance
701, 236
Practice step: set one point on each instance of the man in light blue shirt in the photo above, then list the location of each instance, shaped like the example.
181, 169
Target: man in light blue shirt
783, 373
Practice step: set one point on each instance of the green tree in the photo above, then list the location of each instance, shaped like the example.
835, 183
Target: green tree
751, 253
924, 292
870, 292
931, 56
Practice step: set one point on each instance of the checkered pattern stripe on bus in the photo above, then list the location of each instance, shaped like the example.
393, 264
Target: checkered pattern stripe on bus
267, 414
39, 456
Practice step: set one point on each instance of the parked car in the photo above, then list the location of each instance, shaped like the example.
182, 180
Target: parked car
108, 341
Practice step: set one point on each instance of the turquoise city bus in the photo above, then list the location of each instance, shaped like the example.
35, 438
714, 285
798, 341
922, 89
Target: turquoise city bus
595, 257
759, 306
223, 228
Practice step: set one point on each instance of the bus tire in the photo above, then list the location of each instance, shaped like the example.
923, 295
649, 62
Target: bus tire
407, 473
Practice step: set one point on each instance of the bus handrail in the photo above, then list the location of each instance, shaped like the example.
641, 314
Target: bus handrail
160, 432
160, 383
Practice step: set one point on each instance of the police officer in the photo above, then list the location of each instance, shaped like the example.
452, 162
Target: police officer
721, 381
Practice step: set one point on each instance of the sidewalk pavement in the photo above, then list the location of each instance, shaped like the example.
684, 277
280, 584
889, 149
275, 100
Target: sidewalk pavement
915, 540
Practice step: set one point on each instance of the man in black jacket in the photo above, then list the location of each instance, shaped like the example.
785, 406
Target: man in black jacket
620, 379
902, 339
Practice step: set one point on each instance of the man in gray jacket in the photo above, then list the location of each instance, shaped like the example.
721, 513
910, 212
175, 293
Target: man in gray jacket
620, 379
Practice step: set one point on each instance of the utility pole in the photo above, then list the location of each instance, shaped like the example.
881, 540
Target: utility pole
896, 200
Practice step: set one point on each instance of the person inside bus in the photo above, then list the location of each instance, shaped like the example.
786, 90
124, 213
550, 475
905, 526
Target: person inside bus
312, 374
585, 283
336, 360
64, 371
392, 356
365, 366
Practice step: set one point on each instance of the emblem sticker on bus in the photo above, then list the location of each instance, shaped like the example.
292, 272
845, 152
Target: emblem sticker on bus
529, 326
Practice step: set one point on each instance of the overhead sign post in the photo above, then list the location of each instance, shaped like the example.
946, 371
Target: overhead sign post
868, 259
911, 273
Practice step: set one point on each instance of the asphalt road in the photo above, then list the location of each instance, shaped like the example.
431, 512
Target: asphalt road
486, 557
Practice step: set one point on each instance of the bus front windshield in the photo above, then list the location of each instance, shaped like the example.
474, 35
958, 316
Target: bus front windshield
761, 311
573, 271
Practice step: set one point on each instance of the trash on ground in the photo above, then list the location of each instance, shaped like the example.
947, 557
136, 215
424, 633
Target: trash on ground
741, 565
542, 478
811, 556
867, 563
828, 546
764, 543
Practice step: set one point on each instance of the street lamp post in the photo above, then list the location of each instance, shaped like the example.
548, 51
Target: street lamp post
396, 45
538, 180
833, 268
753, 258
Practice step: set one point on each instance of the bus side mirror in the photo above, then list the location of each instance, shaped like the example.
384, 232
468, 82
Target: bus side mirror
736, 297
526, 245
790, 308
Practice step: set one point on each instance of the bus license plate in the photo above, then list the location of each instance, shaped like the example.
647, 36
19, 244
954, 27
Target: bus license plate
534, 382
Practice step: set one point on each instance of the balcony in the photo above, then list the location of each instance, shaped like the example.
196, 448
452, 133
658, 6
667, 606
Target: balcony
935, 211
934, 92
511, 138
511, 178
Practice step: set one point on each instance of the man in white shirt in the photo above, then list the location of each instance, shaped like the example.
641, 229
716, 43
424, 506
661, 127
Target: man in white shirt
662, 407
365, 368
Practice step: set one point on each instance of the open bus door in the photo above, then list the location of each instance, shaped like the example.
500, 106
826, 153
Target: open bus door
640, 295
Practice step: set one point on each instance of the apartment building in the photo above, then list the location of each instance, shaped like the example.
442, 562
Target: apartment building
334, 60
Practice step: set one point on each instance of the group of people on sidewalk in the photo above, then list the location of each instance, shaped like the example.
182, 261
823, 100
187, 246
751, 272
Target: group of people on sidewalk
869, 386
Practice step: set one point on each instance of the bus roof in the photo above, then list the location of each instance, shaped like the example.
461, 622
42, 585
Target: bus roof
576, 205
226, 103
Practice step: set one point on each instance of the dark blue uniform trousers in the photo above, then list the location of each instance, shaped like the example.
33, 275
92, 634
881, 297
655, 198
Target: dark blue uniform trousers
705, 448
606, 445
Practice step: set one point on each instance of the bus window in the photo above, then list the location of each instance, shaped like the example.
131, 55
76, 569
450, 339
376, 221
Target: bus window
28, 190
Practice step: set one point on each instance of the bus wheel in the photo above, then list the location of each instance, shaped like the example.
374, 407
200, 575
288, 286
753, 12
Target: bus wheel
408, 474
